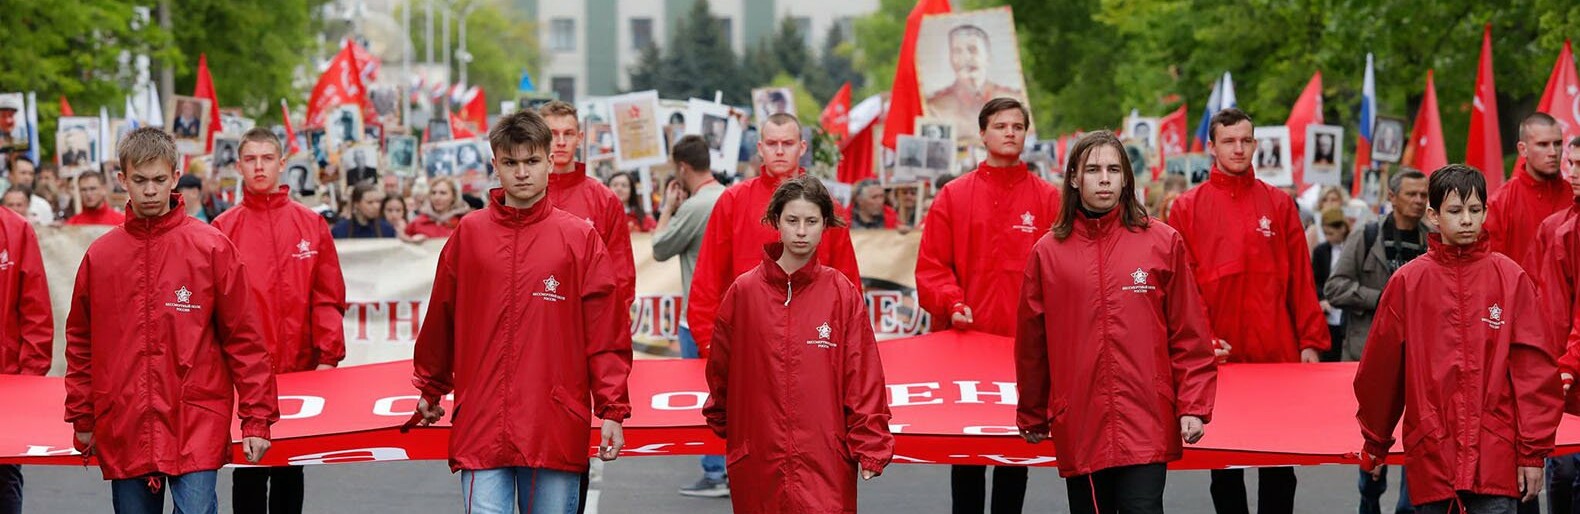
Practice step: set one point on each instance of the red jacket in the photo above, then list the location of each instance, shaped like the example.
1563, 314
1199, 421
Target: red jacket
732, 245
594, 202
1250, 257
426, 225
1554, 263
975, 242
1476, 382
1113, 345
796, 389
294, 270
103, 215
1515, 210
27, 323
161, 342
522, 327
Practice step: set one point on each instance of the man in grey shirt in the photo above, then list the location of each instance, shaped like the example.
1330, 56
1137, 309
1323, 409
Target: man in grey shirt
688, 203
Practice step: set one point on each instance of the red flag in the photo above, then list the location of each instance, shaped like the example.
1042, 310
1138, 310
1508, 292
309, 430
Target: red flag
836, 116
1307, 110
1561, 98
339, 85
1426, 139
367, 63
1172, 136
1484, 150
905, 98
290, 134
65, 107
205, 89
856, 157
472, 121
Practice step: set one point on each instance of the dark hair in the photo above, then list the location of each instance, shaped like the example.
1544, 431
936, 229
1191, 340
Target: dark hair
974, 30
1132, 214
394, 198
804, 187
18, 188
785, 118
1536, 119
1224, 118
1460, 179
692, 150
998, 105
633, 202
1405, 173
23, 158
517, 129
1574, 142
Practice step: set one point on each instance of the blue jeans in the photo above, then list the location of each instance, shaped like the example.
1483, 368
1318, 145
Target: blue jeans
534, 490
192, 493
1373, 489
712, 465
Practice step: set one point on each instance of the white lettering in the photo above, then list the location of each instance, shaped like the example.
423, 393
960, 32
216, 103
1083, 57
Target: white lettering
665, 401
900, 395
991, 430
311, 406
46, 451
386, 406
911, 460
654, 449
898, 428
970, 394
353, 455
1011, 461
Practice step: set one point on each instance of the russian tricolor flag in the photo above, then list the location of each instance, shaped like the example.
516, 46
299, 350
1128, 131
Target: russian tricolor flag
1368, 118
1222, 97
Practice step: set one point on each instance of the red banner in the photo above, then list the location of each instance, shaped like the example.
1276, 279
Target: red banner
952, 395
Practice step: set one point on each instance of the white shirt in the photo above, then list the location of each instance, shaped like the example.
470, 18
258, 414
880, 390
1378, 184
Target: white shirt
40, 212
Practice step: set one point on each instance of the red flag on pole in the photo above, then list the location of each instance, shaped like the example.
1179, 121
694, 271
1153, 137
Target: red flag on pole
1484, 150
905, 100
1426, 139
340, 84
65, 107
205, 89
290, 134
1561, 97
472, 121
836, 116
1172, 135
859, 152
1307, 110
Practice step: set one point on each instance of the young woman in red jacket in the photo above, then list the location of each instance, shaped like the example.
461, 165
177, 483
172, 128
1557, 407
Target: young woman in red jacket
1113, 352
1459, 348
795, 379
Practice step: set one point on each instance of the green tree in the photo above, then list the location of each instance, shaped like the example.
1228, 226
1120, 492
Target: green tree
835, 67
254, 49
697, 62
789, 48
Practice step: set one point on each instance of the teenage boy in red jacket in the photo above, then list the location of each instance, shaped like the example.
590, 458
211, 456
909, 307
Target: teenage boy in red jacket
162, 338
27, 326
522, 327
1477, 382
294, 272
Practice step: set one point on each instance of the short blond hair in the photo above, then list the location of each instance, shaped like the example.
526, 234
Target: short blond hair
557, 108
146, 145
262, 135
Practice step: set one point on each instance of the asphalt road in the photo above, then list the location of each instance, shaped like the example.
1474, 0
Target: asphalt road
647, 485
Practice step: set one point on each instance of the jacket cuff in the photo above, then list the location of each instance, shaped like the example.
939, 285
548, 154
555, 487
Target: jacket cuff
255, 428
873, 465
1378, 449
615, 412
1206, 417
1531, 461
82, 425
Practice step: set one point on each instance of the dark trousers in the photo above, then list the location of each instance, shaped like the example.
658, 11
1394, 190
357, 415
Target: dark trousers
1561, 479
10, 489
968, 485
1121, 490
267, 490
1275, 491
1471, 503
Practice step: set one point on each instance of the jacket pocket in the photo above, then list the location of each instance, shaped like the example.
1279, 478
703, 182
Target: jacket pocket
734, 453
1492, 424
577, 409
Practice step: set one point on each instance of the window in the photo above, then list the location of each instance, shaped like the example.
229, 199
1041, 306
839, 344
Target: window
641, 33
562, 35
847, 27
564, 87
803, 25
727, 28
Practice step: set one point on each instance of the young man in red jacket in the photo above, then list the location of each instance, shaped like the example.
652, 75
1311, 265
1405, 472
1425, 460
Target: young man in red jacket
1553, 261
27, 325
1109, 301
523, 319
162, 340
1532, 194
294, 272
732, 244
975, 241
1477, 382
95, 204
1249, 253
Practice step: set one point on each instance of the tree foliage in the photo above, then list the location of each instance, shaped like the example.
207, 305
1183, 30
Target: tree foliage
697, 62
254, 49
503, 44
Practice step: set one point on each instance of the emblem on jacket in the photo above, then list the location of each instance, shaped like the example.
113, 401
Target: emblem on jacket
551, 287
5, 260
823, 333
1265, 226
1028, 223
1494, 319
183, 299
304, 250
1140, 285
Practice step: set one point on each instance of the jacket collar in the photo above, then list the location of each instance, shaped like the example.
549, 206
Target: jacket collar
1096, 228
568, 179
1448, 254
1007, 175
143, 228
513, 217
1523, 177
96, 211
267, 201
773, 181
1223, 179
776, 275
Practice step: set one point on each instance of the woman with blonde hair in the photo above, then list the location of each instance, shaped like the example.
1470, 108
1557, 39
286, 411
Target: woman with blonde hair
1332, 197
442, 212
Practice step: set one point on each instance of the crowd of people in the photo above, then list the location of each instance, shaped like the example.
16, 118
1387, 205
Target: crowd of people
1121, 309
